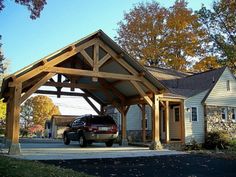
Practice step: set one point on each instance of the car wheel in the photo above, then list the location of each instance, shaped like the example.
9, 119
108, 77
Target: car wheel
66, 139
109, 143
82, 141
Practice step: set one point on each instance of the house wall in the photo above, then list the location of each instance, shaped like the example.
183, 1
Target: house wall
195, 129
216, 123
219, 95
134, 122
220, 98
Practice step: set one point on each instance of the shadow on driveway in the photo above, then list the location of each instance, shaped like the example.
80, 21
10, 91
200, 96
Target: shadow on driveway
187, 165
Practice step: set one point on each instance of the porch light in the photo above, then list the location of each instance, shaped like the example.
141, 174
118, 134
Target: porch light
188, 109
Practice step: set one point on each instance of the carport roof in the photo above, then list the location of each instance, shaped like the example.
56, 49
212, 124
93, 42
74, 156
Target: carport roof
98, 34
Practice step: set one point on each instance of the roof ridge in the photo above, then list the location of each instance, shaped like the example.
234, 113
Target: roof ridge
204, 72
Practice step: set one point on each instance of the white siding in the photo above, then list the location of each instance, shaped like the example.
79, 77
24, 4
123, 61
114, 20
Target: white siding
194, 130
219, 95
134, 118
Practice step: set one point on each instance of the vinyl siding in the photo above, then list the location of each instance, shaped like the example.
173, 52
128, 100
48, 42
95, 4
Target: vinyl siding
134, 118
194, 130
219, 95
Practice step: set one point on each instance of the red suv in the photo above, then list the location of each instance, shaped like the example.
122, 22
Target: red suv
91, 128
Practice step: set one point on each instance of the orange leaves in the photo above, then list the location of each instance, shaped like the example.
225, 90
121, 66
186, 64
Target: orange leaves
159, 36
206, 64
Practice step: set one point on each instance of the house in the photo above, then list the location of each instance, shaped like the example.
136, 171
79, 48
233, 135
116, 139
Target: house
59, 123
209, 100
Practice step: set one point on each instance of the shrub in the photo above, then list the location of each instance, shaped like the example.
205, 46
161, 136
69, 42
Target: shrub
217, 139
193, 145
24, 132
232, 145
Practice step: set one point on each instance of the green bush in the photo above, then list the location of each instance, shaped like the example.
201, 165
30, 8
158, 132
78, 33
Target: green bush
232, 145
193, 145
217, 139
2, 131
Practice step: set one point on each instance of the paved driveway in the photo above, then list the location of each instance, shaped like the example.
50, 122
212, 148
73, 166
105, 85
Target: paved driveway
155, 166
59, 151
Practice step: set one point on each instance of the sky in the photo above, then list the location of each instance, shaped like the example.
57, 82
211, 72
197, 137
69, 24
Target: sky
61, 23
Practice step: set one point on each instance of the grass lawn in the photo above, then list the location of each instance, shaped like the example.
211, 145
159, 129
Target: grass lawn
10, 167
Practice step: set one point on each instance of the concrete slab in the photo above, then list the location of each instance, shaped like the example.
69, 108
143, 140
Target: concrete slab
59, 151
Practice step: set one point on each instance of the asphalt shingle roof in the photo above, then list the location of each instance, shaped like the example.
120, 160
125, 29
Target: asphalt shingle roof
186, 84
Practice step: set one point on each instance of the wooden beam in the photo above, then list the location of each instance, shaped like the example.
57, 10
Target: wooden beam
92, 105
80, 72
170, 99
126, 109
73, 85
14, 120
108, 86
182, 121
36, 86
167, 123
142, 93
95, 60
104, 60
123, 127
156, 120
58, 59
130, 69
87, 57
49, 92
58, 88
97, 99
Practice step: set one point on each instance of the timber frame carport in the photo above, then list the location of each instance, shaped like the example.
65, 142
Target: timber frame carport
97, 66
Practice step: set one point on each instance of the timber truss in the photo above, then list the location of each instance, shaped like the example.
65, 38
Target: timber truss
95, 65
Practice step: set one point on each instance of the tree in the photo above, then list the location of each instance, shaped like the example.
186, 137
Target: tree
2, 113
43, 109
220, 23
206, 64
26, 113
158, 36
34, 6
2, 58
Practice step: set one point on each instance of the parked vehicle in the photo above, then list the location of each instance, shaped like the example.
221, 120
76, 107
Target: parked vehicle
91, 128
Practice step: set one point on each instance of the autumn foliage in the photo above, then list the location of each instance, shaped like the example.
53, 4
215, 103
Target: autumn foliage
164, 37
38, 109
34, 6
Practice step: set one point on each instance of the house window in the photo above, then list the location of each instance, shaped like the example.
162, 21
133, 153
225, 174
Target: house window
194, 114
223, 113
233, 115
176, 114
228, 85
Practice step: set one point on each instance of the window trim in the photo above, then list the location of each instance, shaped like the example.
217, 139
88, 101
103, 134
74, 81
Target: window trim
192, 113
176, 107
225, 113
233, 113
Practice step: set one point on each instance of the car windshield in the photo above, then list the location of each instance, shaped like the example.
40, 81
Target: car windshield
101, 120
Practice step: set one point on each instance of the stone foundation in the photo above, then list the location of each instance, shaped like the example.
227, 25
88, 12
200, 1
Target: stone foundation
214, 121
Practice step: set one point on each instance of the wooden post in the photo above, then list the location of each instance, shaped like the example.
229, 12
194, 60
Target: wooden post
182, 121
143, 123
123, 127
156, 144
102, 110
167, 125
13, 120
